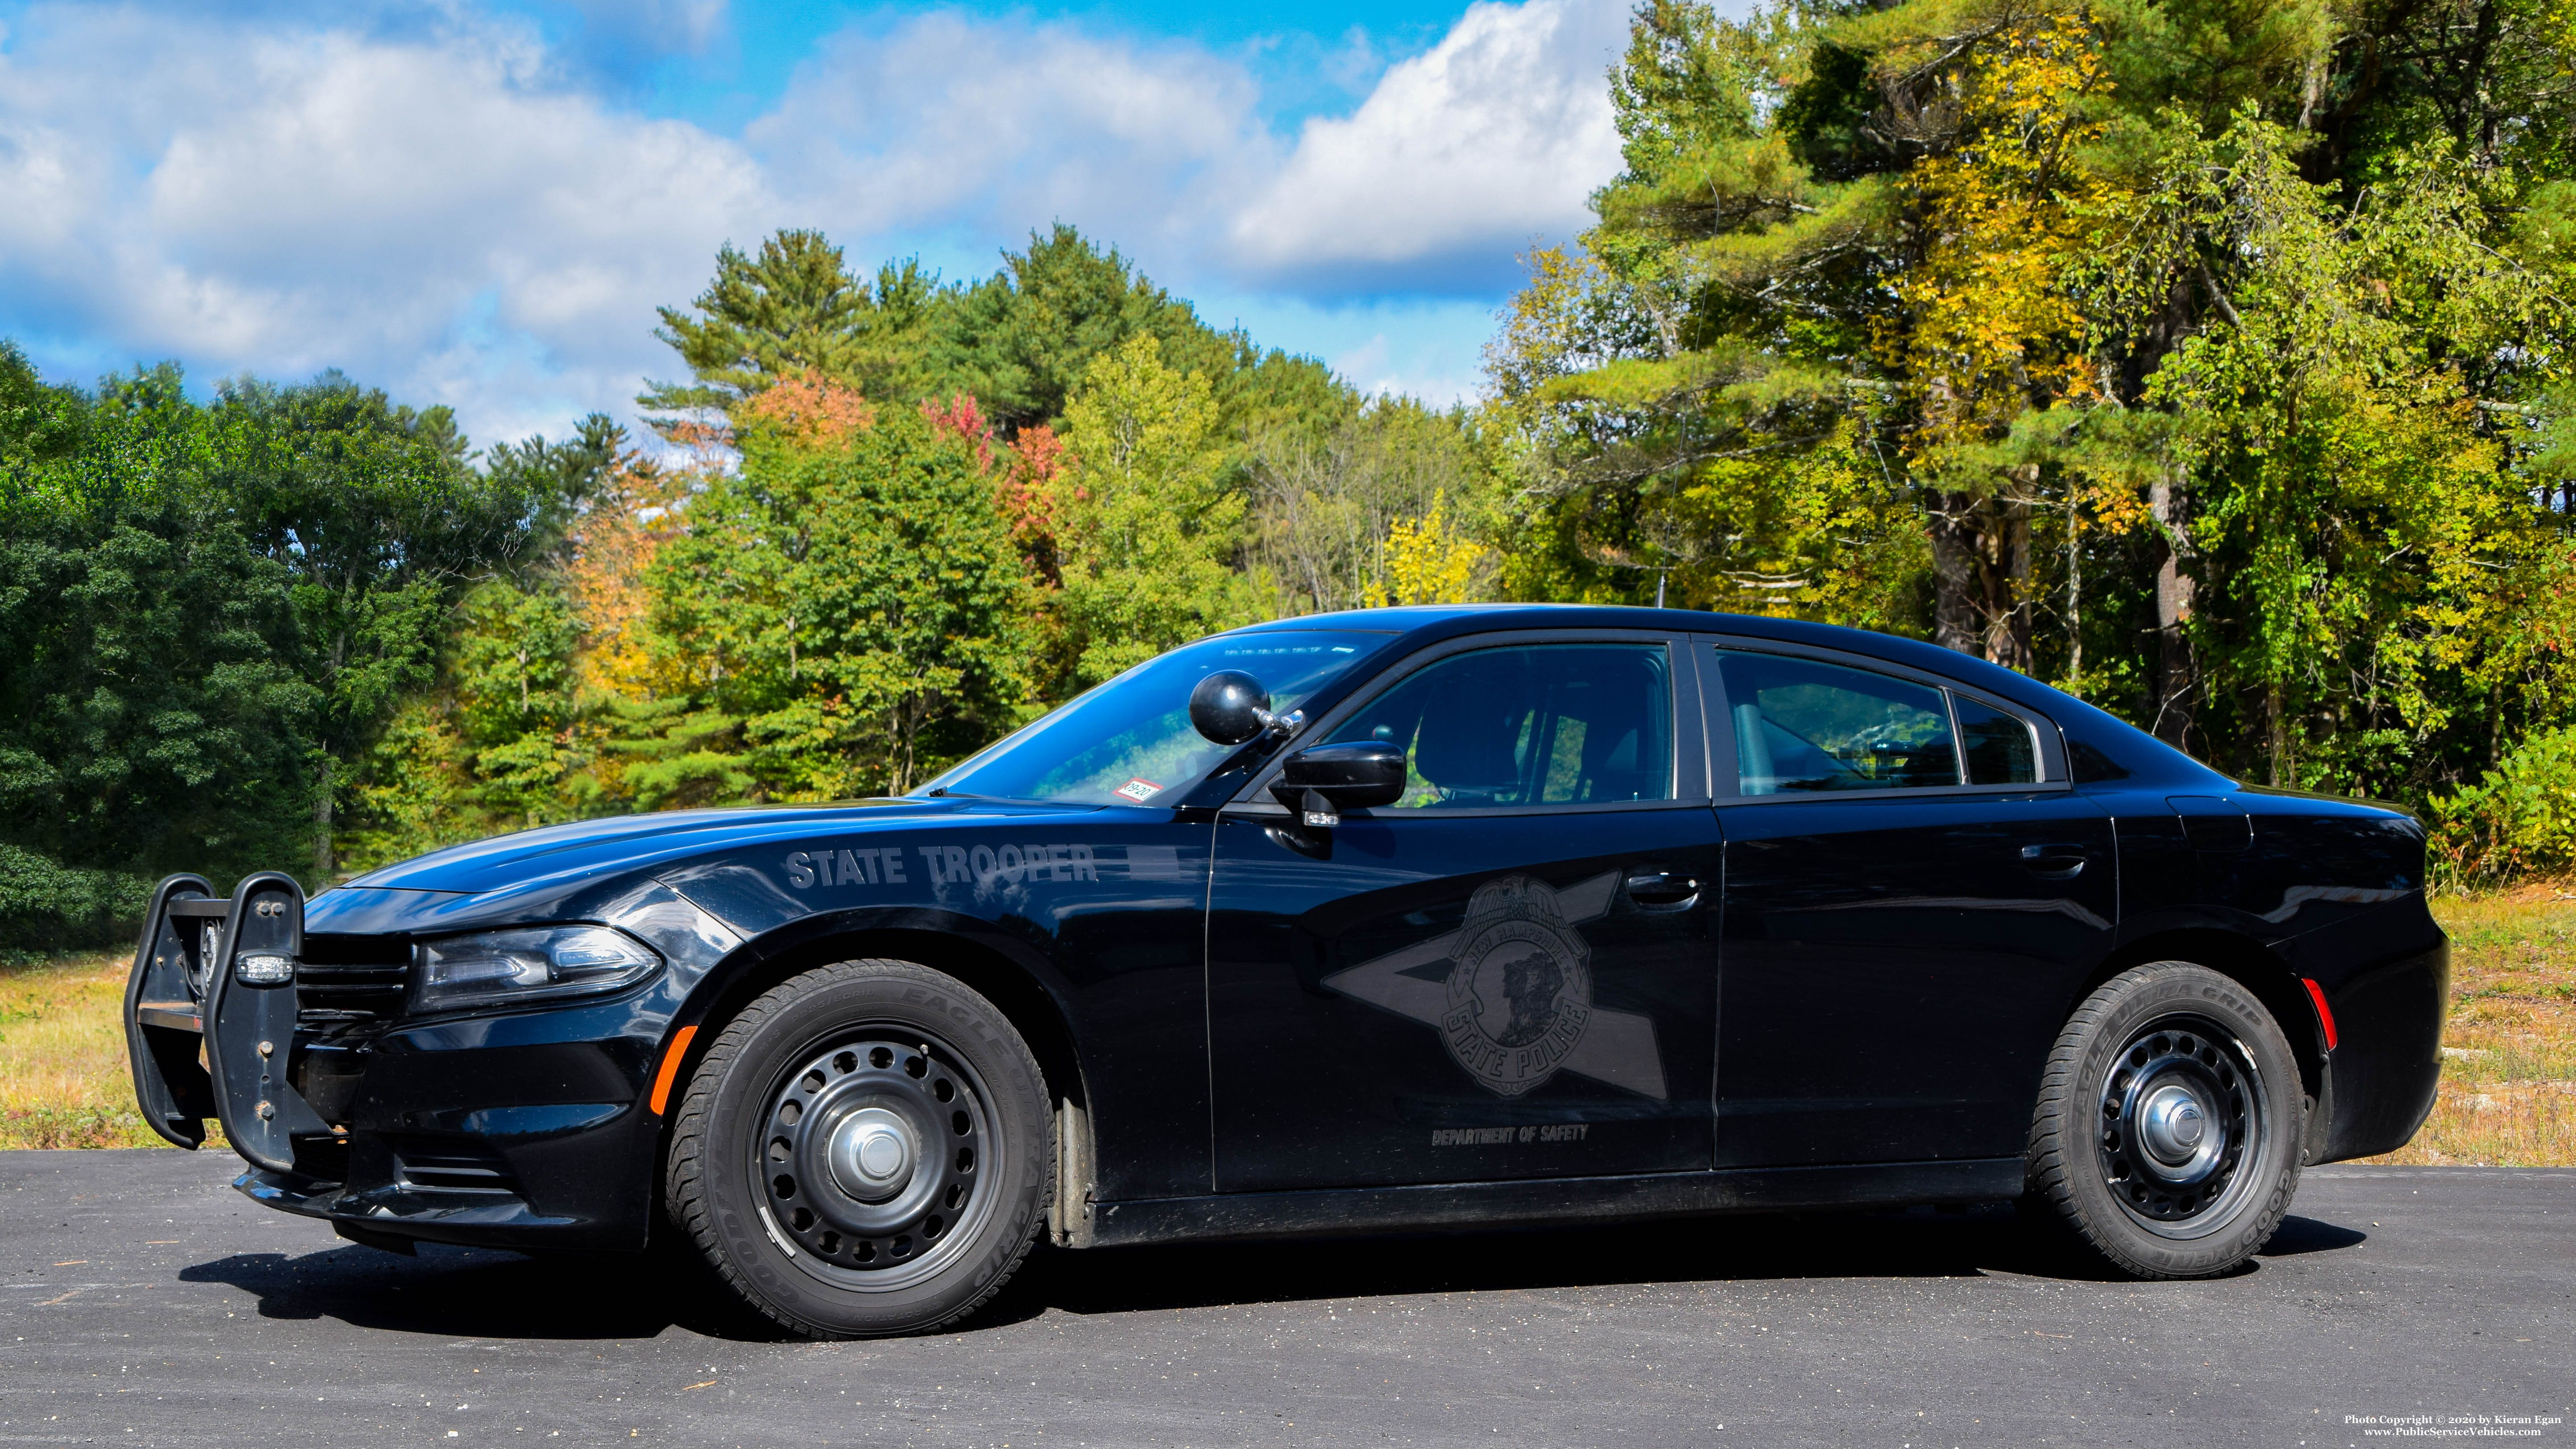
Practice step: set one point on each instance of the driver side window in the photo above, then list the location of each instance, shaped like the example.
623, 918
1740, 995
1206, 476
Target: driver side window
1533, 725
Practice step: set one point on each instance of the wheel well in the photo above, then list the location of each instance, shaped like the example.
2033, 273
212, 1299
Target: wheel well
1000, 981
2246, 963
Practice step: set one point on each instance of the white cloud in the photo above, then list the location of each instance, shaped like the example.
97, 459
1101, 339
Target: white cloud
286, 200
997, 127
438, 202
1459, 156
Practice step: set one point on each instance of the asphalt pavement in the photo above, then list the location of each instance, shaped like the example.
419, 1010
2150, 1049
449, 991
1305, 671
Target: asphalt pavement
146, 1303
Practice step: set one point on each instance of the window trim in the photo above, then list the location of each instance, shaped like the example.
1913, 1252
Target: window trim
1689, 734
2049, 741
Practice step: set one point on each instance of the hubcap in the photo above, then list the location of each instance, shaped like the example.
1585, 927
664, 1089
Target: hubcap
2181, 1109
2174, 1124
870, 1156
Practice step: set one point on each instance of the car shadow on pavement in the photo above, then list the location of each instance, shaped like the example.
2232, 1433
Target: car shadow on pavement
475, 1293
1908, 1243
2298, 1235
1921, 1243
469, 1293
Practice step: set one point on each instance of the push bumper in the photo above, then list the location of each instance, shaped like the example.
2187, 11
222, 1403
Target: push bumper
221, 970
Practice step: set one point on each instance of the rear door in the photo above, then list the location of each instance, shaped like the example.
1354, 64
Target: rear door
1509, 973
1912, 894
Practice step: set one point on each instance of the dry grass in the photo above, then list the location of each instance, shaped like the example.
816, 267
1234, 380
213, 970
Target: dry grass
63, 1076
2508, 1095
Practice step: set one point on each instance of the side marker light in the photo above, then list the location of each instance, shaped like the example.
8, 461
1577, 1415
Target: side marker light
2325, 1014
679, 1048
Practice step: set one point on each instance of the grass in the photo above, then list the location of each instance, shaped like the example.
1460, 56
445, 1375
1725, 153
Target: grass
63, 1076
2508, 1094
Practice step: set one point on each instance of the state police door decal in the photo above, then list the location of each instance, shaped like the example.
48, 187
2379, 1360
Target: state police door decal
1510, 991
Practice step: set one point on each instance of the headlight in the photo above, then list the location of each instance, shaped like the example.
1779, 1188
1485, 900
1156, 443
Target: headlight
534, 963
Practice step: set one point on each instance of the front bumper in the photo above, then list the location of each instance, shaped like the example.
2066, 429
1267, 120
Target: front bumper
565, 1187
517, 1131
525, 1130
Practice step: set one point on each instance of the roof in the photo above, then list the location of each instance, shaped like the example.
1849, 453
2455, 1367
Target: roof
1428, 623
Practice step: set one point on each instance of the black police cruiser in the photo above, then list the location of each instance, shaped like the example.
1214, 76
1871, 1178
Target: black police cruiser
1359, 922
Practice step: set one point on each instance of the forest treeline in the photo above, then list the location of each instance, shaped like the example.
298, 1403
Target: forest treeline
2206, 359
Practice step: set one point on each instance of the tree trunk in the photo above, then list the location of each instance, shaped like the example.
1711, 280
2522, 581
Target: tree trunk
2276, 717
2176, 681
2074, 595
1954, 573
1980, 577
2007, 597
324, 862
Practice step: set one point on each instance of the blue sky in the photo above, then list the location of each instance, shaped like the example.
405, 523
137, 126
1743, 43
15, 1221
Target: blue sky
480, 202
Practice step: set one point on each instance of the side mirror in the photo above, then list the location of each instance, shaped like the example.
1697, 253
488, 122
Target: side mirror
1230, 707
1321, 782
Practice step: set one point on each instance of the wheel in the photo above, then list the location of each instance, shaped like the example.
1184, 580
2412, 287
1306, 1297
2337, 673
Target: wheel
2167, 1134
864, 1151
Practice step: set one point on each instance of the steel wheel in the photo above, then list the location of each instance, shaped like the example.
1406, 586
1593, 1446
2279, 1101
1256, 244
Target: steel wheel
864, 1150
2166, 1135
868, 1170
2182, 1109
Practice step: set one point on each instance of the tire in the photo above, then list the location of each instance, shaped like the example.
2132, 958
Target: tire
2168, 1131
864, 1151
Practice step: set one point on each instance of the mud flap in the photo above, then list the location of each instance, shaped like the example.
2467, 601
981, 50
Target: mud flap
163, 1031
250, 1022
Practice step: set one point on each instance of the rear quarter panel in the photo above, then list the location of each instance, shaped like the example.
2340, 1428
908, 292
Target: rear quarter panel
2333, 890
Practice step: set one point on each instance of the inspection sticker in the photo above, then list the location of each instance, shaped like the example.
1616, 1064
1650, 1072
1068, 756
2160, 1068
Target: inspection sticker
1139, 790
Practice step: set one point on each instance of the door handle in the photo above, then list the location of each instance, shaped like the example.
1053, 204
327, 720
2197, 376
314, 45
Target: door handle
1663, 888
2055, 862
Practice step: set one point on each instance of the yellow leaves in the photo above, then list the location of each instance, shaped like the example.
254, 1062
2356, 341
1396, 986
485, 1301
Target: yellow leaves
1433, 559
1150, 534
1988, 327
2113, 507
613, 545
1136, 423
1812, 535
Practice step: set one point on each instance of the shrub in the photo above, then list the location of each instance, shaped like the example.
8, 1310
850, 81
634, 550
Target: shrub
2519, 821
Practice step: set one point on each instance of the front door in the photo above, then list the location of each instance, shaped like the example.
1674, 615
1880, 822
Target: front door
1912, 896
1507, 974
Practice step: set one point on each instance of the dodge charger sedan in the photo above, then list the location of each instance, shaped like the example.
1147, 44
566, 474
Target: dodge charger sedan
1364, 922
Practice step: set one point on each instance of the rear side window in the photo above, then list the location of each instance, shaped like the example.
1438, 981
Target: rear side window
1543, 724
1805, 726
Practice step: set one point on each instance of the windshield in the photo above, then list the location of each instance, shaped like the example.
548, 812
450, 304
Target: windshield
1130, 740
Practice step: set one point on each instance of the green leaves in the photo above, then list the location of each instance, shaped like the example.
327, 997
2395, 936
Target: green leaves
2237, 326
1154, 526
855, 603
